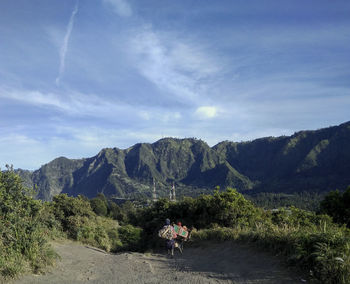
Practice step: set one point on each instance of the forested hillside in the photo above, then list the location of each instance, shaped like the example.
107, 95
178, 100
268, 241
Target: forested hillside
313, 161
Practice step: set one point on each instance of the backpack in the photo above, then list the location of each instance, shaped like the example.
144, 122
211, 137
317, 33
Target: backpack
166, 233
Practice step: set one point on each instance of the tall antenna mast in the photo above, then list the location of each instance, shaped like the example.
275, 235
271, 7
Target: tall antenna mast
154, 195
173, 190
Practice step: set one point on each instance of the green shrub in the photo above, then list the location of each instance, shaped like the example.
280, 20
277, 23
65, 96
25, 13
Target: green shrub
216, 234
64, 207
116, 212
99, 205
227, 209
77, 219
130, 237
23, 237
230, 208
336, 205
115, 241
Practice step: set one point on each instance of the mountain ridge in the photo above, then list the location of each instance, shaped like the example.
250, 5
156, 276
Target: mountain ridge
308, 160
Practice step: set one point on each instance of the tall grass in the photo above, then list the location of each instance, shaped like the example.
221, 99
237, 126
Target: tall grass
321, 249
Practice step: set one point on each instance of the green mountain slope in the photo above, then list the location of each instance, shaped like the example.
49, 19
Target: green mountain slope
306, 161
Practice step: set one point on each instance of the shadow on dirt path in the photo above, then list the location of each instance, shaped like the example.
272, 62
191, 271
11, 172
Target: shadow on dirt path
214, 263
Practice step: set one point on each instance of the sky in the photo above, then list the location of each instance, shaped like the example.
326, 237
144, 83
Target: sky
77, 76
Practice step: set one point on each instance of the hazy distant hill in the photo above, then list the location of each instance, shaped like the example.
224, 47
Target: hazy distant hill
306, 161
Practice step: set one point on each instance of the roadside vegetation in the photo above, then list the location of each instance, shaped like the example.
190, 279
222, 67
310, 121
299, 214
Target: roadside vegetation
23, 238
27, 226
308, 240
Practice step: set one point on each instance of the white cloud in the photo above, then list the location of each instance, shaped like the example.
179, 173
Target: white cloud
34, 98
181, 68
206, 112
121, 7
191, 59
71, 102
78, 104
64, 47
30, 153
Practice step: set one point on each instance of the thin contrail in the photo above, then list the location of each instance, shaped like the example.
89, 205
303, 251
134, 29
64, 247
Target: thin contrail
64, 47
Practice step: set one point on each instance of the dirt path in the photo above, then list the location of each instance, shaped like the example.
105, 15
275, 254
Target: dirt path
216, 263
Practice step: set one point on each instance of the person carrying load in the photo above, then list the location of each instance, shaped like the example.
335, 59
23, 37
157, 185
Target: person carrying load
168, 233
182, 235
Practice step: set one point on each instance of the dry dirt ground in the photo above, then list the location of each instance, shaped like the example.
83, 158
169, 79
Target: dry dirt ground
214, 263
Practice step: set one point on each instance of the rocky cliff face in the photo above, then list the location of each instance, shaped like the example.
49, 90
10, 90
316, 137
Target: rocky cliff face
306, 161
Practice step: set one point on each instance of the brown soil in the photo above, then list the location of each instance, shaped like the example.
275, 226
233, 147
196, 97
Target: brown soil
212, 263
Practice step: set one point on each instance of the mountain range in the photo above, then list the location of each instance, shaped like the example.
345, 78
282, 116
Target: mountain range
314, 161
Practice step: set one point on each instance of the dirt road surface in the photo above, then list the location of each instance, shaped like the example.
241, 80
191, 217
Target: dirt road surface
214, 263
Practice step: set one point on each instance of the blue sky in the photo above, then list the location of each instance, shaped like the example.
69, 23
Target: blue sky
79, 76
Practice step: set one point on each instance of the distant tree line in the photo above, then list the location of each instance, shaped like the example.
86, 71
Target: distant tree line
303, 200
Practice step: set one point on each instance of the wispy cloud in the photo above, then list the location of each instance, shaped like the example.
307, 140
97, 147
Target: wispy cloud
121, 7
79, 104
72, 102
71, 142
179, 67
64, 47
34, 98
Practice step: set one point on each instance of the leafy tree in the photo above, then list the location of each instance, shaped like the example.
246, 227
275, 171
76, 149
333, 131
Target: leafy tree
116, 212
131, 237
65, 207
336, 205
130, 211
230, 208
102, 197
99, 206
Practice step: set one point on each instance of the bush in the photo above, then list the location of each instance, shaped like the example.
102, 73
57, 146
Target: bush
130, 237
64, 207
230, 208
23, 237
116, 212
77, 219
336, 205
99, 206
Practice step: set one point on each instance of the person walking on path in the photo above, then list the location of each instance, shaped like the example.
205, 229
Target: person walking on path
168, 233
